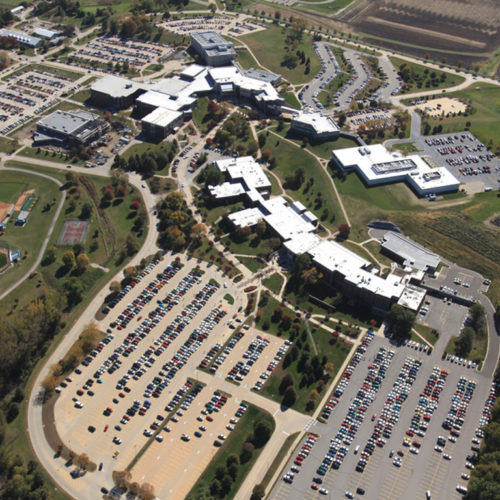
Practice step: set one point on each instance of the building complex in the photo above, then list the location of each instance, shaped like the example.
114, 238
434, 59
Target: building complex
213, 49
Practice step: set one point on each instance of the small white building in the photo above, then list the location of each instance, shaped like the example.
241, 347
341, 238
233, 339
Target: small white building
315, 125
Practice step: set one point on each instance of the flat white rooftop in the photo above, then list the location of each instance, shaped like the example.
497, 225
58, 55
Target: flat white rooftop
316, 121
378, 165
162, 117
246, 169
247, 217
116, 86
227, 190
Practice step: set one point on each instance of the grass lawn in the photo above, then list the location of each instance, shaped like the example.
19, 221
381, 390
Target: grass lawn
253, 264
274, 282
478, 351
229, 298
248, 247
427, 333
484, 123
73, 75
359, 251
7, 145
211, 215
212, 255
10, 190
334, 350
319, 197
245, 59
200, 116
269, 48
232, 445
27, 239
291, 100
375, 248
44, 154
405, 147
81, 96
424, 78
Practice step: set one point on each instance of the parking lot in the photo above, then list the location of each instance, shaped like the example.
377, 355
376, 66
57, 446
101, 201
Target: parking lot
156, 334
28, 93
382, 438
224, 25
465, 157
371, 119
136, 53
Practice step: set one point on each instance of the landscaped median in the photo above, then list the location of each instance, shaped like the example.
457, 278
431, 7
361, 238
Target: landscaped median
236, 457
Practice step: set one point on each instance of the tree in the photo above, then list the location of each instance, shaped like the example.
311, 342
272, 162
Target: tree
258, 492
212, 7
89, 337
262, 430
83, 461
121, 478
301, 263
242, 233
130, 272
82, 262
50, 255
115, 287
260, 228
289, 396
286, 382
68, 259
86, 211
49, 383
246, 452
400, 321
311, 276
344, 230
198, 231
463, 344
147, 492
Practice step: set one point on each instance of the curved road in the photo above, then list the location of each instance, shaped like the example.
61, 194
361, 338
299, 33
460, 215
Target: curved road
49, 232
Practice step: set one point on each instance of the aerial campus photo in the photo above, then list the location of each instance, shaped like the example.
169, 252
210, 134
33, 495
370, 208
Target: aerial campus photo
249, 249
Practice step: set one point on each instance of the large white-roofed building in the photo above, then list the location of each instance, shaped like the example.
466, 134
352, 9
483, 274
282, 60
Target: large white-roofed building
315, 125
376, 165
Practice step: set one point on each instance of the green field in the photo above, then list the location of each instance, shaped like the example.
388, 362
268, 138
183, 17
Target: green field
269, 48
484, 123
317, 197
254, 265
328, 9
245, 59
274, 282
73, 75
10, 191
27, 239
423, 78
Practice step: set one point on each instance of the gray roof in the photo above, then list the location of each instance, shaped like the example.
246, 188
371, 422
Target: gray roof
413, 254
213, 43
67, 122
262, 75
21, 37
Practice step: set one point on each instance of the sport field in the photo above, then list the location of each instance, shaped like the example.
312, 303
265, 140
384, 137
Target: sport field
484, 123
270, 49
27, 239
423, 78
10, 191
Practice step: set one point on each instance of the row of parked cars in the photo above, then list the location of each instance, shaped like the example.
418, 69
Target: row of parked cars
339, 445
358, 356
459, 404
251, 355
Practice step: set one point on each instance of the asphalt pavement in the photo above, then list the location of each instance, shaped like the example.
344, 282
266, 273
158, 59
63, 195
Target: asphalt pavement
381, 480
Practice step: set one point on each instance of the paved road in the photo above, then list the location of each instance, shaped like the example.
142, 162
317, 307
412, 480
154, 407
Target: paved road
37, 261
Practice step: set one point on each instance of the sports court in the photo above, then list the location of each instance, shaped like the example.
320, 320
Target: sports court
73, 231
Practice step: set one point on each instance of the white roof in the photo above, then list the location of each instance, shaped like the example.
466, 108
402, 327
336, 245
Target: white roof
162, 117
193, 71
159, 99
286, 221
376, 164
232, 75
319, 123
298, 207
247, 170
247, 217
412, 297
226, 190
116, 86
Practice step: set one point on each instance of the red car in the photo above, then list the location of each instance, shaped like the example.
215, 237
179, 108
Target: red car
106, 427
